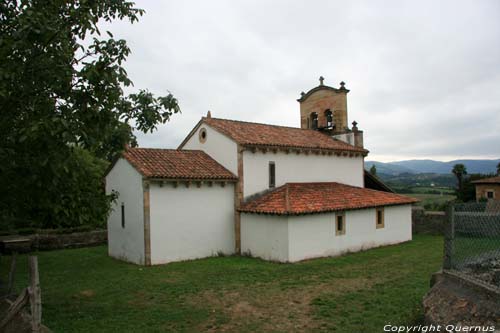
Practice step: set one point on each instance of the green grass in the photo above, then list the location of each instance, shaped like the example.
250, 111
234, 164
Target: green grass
467, 248
427, 189
431, 198
83, 290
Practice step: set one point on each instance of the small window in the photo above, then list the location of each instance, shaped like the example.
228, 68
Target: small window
314, 120
123, 215
272, 175
340, 224
380, 218
490, 195
203, 135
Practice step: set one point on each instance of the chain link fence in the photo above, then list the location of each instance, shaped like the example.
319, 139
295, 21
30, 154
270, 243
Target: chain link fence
472, 241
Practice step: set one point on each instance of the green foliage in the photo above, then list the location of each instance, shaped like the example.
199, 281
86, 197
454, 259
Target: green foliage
468, 191
357, 292
498, 168
459, 170
78, 199
60, 96
373, 170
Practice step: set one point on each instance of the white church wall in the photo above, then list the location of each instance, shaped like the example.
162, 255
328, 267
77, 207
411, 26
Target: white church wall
190, 222
218, 146
299, 168
126, 243
265, 236
313, 236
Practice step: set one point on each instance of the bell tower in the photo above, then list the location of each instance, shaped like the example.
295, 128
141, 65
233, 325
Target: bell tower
324, 108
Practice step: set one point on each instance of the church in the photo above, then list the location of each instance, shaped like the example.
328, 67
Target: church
278, 193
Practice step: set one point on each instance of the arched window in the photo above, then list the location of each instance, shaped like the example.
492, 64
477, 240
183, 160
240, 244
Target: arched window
329, 118
314, 120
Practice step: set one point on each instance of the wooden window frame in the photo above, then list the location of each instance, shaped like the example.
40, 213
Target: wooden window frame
382, 214
272, 174
342, 230
486, 192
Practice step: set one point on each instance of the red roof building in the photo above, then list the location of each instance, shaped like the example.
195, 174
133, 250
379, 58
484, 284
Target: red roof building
311, 198
176, 164
280, 193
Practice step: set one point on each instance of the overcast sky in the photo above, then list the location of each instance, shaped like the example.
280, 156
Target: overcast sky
424, 75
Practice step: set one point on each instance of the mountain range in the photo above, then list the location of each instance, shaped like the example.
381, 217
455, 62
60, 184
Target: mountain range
432, 166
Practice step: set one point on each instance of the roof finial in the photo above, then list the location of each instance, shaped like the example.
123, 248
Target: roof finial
355, 126
209, 114
321, 79
342, 85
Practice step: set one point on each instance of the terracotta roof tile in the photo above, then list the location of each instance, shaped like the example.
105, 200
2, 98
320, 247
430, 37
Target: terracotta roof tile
492, 180
308, 198
176, 164
255, 134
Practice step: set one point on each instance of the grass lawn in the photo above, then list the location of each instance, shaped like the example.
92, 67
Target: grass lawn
83, 290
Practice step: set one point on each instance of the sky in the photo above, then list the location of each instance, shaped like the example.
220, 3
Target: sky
424, 75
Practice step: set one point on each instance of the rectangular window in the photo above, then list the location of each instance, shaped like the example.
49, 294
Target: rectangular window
123, 215
490, 194
272, 175
380, 217
340, 224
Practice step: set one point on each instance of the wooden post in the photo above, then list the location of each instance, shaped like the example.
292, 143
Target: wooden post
35, 295
449, 236
146, 221
14, 308
12, 273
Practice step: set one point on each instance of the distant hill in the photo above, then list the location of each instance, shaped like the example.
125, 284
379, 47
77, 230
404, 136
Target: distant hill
431, 166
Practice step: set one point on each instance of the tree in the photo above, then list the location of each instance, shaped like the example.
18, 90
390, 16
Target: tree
498, 168
373, 170
61, 93
459, 170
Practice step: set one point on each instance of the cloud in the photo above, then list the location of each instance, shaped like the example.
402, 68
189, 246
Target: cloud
424, 76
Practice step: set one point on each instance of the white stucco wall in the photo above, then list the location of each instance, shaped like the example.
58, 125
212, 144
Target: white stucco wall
265, 236
189, 223
299, 168
126, 243
314, 235
218, 146
345, 137
294, 238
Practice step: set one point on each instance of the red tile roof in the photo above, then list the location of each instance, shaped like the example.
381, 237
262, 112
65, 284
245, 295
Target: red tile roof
176, 164
492, 180
255, 134
308, 198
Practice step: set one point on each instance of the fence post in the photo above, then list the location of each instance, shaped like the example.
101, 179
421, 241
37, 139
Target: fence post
35, 295
449, 236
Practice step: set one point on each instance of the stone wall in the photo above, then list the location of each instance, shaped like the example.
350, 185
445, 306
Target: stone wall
427, 222
457, 300
48, 241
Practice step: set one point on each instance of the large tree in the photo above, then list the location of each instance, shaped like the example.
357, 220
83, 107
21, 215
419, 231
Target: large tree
62, 105
459, 170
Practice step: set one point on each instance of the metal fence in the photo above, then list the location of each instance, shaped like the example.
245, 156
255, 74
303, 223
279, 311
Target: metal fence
472, 241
